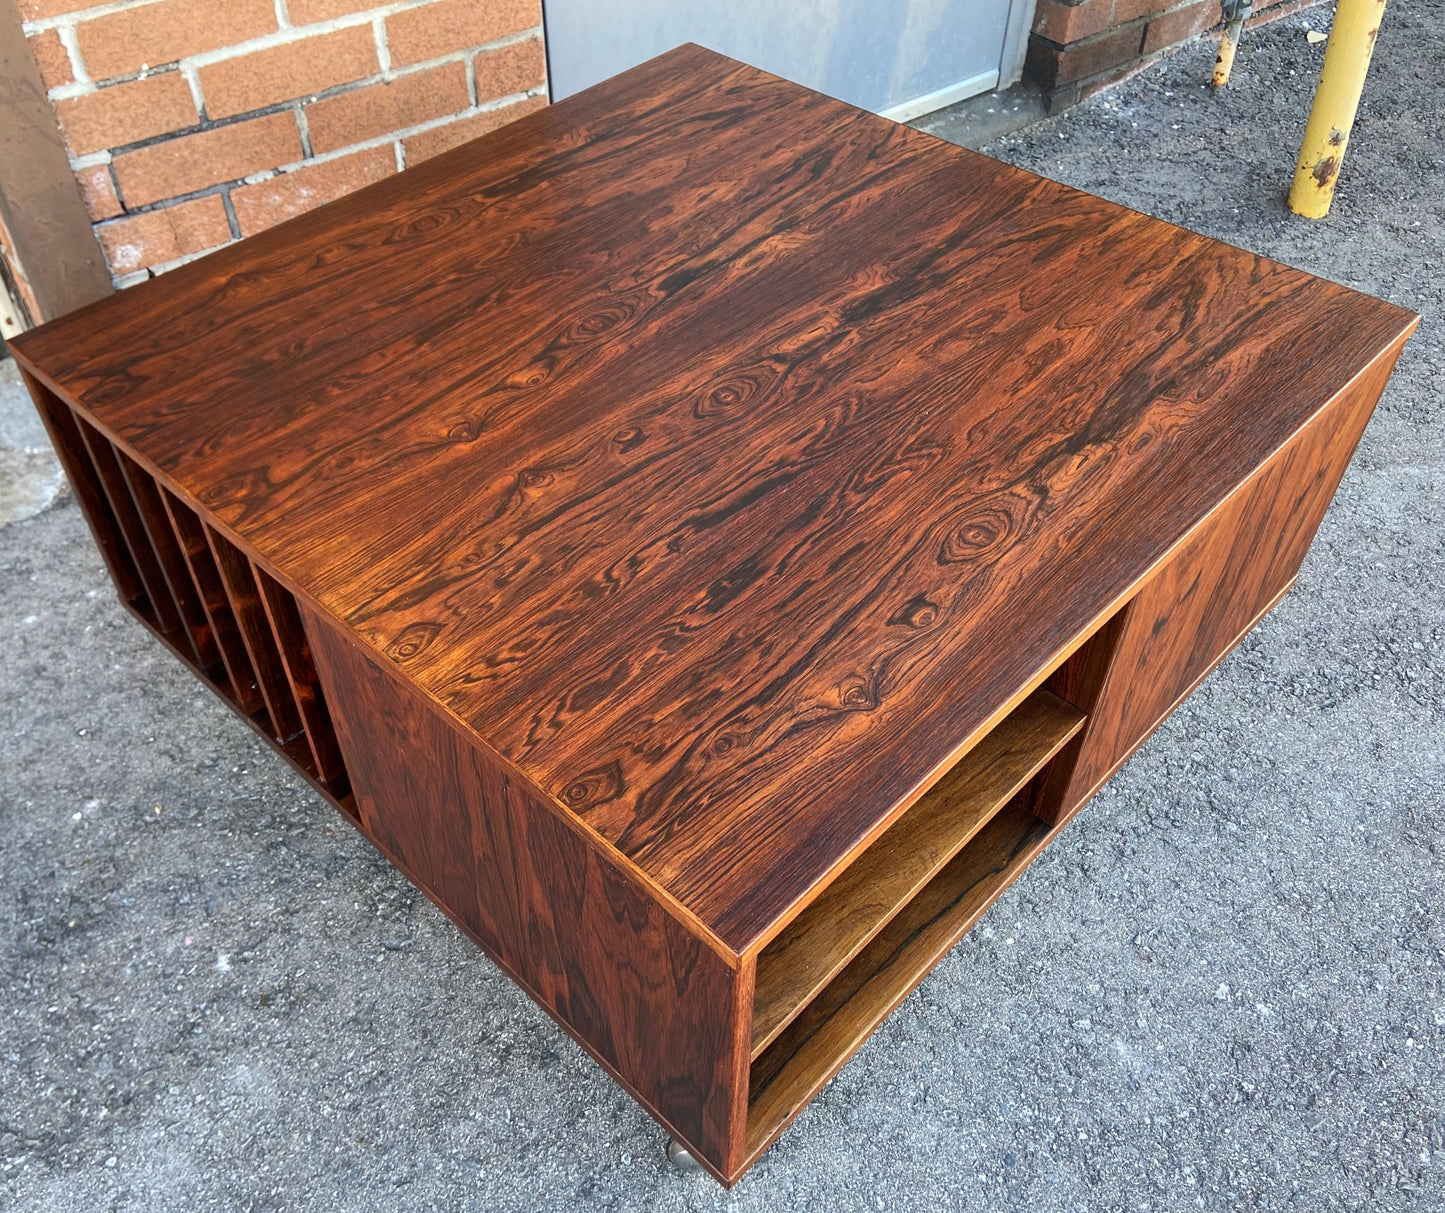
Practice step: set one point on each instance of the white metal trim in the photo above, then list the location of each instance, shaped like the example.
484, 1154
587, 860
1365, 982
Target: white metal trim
940, 97
1016, 42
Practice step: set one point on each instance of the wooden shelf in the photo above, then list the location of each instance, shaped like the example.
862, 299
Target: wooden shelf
860, 902
843, 1015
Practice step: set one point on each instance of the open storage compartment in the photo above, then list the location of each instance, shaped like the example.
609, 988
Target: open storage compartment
837, 970
221, 613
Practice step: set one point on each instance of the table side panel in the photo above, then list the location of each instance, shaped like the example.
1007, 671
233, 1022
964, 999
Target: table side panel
658, 1006
1204, 599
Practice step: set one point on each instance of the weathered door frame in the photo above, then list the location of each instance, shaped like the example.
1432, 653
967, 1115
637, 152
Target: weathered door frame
1010, 69
52, 262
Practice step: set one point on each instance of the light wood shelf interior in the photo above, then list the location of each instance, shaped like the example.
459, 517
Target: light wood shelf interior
847, 960
855, 907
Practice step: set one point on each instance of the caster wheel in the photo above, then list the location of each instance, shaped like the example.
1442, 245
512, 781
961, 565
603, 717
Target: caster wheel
681, 1158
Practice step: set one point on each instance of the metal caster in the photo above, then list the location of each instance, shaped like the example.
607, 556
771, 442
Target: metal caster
681, 1157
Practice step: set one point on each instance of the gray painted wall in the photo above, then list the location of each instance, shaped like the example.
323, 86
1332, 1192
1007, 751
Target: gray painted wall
878, 54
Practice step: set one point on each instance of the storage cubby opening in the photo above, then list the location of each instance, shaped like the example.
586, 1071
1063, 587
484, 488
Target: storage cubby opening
845, 1012
817, 944
231, 621
833, 974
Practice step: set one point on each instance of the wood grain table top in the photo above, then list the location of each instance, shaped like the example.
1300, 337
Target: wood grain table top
723, 457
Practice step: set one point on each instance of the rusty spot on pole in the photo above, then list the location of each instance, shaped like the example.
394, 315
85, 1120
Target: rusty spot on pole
1342, 77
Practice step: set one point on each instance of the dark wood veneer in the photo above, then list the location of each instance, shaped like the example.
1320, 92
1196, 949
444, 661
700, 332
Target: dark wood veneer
581, 935
1228, 573
711, 538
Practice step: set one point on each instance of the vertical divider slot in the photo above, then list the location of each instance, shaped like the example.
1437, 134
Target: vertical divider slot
246, 693
146, 494
295, 650
260, 643
224, 615
166, 616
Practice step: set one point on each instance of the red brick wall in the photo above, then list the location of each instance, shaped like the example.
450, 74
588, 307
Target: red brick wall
193, 123
1079, 46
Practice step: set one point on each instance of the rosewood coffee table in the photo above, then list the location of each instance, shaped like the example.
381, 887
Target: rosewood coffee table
711, 538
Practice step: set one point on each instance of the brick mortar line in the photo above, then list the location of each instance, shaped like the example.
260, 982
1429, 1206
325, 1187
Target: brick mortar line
206, 123
167, 203
1133, 23
193, 82
87, 87
406, 132
40, 24
231, 221
383, 45
72, 52
85, 14
135, 277
303, 127
363, 145
1281, 9
189, 67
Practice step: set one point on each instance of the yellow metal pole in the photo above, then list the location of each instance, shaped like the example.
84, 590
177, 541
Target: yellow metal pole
1234, 18
1342, 79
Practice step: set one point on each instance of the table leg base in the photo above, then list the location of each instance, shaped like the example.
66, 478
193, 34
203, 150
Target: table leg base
681, 1157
